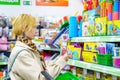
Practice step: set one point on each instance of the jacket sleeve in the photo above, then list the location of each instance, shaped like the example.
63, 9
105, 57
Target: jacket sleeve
27, 67
54, 67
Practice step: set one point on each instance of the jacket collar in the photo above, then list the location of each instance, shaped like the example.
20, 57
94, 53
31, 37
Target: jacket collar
21, 44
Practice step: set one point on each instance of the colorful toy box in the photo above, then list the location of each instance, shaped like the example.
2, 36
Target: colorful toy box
117, 51
89, 57
93, 58
88, 23
116, 62
91, 46
110, 48
106, 48
86, 29
102, 48
86, 56
89, 15
79, 45
100, 26
113, 28
76, 53
110, 30
85, 24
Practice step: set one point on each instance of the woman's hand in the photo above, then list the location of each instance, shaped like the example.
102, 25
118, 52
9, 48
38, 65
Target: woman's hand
67, 56
66, 53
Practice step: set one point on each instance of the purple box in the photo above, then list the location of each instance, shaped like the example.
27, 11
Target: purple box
101, 50
110, 16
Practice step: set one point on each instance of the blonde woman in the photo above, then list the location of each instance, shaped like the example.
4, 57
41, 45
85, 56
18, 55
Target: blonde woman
29, 63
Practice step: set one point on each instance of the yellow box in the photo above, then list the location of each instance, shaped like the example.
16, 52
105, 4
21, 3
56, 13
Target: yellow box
101, 26
113, 28
86, 56
94, 47
93, 58
91, 46
76, 52
89, 57
87, 46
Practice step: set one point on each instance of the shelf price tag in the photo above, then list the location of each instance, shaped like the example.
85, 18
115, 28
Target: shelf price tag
114, 78
98, 75
85, 71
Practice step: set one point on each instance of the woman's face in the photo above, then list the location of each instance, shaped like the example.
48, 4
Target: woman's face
31, 33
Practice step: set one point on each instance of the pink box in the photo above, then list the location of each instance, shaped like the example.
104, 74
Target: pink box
115, 16
116, 62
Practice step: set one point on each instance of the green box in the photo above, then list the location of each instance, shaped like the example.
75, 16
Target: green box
105, 59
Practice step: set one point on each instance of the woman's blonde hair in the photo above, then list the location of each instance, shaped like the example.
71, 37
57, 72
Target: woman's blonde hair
24, 22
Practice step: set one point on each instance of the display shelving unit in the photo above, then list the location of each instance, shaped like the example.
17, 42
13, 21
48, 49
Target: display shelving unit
91, 66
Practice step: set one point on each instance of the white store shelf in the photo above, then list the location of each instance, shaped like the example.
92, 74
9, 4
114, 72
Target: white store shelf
51, 49
97, 39
95, 67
